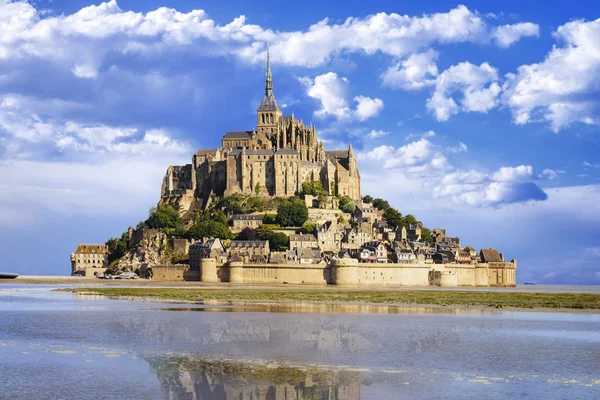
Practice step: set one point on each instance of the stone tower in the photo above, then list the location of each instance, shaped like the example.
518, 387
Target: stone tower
268, 112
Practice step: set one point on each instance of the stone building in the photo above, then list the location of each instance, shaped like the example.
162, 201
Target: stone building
242, 221
251, 250
89, 260
211, 248
303, 241
273, 159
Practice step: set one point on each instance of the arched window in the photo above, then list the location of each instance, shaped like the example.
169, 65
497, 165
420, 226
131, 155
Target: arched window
263, 118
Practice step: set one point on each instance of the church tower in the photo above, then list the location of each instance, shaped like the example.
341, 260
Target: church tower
269, 113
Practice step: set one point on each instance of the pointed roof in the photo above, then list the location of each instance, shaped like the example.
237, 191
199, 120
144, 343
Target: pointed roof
351, 152
268, 102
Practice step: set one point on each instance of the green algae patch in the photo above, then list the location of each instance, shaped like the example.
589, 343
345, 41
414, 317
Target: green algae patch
573, 301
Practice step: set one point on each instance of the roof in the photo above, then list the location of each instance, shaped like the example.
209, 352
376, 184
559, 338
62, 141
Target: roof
309, 253
303, 238
247, 217
249, 243
469, 248
336, 153
268, 103
91, 249
490, 255
237, 135
286, 151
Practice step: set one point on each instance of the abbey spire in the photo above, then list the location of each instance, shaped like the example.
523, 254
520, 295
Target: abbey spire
269, 83
268, 112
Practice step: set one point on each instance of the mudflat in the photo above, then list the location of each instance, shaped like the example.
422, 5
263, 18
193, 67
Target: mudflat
257, 296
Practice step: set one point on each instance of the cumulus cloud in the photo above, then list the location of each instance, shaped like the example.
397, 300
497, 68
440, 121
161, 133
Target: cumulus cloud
505, 186
416, 72
374, 134
423, 165
417, 157
83, 39
506, 35
332, 91
562, 89
475, 87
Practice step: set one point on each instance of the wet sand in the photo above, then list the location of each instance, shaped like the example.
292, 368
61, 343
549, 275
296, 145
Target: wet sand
94, 282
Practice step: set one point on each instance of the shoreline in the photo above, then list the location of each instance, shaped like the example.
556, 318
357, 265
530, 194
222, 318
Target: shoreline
354, 300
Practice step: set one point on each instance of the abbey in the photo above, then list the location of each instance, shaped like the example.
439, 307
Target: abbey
274, 159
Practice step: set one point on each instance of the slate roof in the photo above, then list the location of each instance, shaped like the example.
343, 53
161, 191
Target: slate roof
286, 151
247, 217
309, 253
490, 255
336, 153
307, 237
237, 135
248, 243
268, 103
91, 249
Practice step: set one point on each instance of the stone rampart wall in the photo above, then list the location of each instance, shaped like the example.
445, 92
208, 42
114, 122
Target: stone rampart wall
178, 272
310, 274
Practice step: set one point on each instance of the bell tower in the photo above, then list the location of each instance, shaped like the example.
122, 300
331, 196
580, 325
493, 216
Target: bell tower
268, 112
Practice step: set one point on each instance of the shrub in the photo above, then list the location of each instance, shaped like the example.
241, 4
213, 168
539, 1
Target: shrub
347, 205
292, 212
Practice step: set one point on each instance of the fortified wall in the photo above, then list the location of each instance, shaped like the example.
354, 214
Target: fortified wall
345, 272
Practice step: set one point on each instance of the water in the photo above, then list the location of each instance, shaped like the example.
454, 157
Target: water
60, 346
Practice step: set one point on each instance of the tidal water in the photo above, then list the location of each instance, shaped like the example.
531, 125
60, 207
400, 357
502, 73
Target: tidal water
62, 346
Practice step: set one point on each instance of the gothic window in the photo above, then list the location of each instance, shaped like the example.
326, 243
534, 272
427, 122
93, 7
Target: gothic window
263, 118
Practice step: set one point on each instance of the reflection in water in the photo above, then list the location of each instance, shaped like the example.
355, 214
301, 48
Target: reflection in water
145, 350
191, 378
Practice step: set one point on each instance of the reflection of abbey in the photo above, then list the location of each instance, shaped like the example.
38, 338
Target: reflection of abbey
272, 160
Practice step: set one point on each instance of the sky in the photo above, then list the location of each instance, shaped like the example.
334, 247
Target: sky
479, 117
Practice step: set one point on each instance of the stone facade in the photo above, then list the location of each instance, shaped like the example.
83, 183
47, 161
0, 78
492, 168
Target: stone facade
274, 159
89, 260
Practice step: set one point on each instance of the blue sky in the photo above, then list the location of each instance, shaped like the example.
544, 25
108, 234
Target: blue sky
480, 117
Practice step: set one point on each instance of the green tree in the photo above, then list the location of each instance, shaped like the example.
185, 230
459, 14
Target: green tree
209, 228
292, 212
247, 234
381, 204
367, 199
279, 241
426, 234
117, 247
392, 217
164, 216
314, 188
409, 219
309, 227
347, 205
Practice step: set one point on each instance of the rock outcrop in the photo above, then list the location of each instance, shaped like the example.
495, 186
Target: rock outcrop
152, 250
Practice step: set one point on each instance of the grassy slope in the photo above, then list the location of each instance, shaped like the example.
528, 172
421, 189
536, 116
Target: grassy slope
440, 297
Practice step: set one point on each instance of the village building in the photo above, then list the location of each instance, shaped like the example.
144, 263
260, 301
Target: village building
89, 260
242, 221
329, 237
303, 241
210, 248
249, 250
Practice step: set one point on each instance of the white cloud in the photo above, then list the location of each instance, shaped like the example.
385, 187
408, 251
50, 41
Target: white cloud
421, 166
476, 86
416, 72
513, 174
506, 35
591, 165
564, 87
82, 40
374, 134
459, 148
367, 107
332, 91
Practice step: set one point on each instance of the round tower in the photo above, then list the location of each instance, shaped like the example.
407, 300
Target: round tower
208, 270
